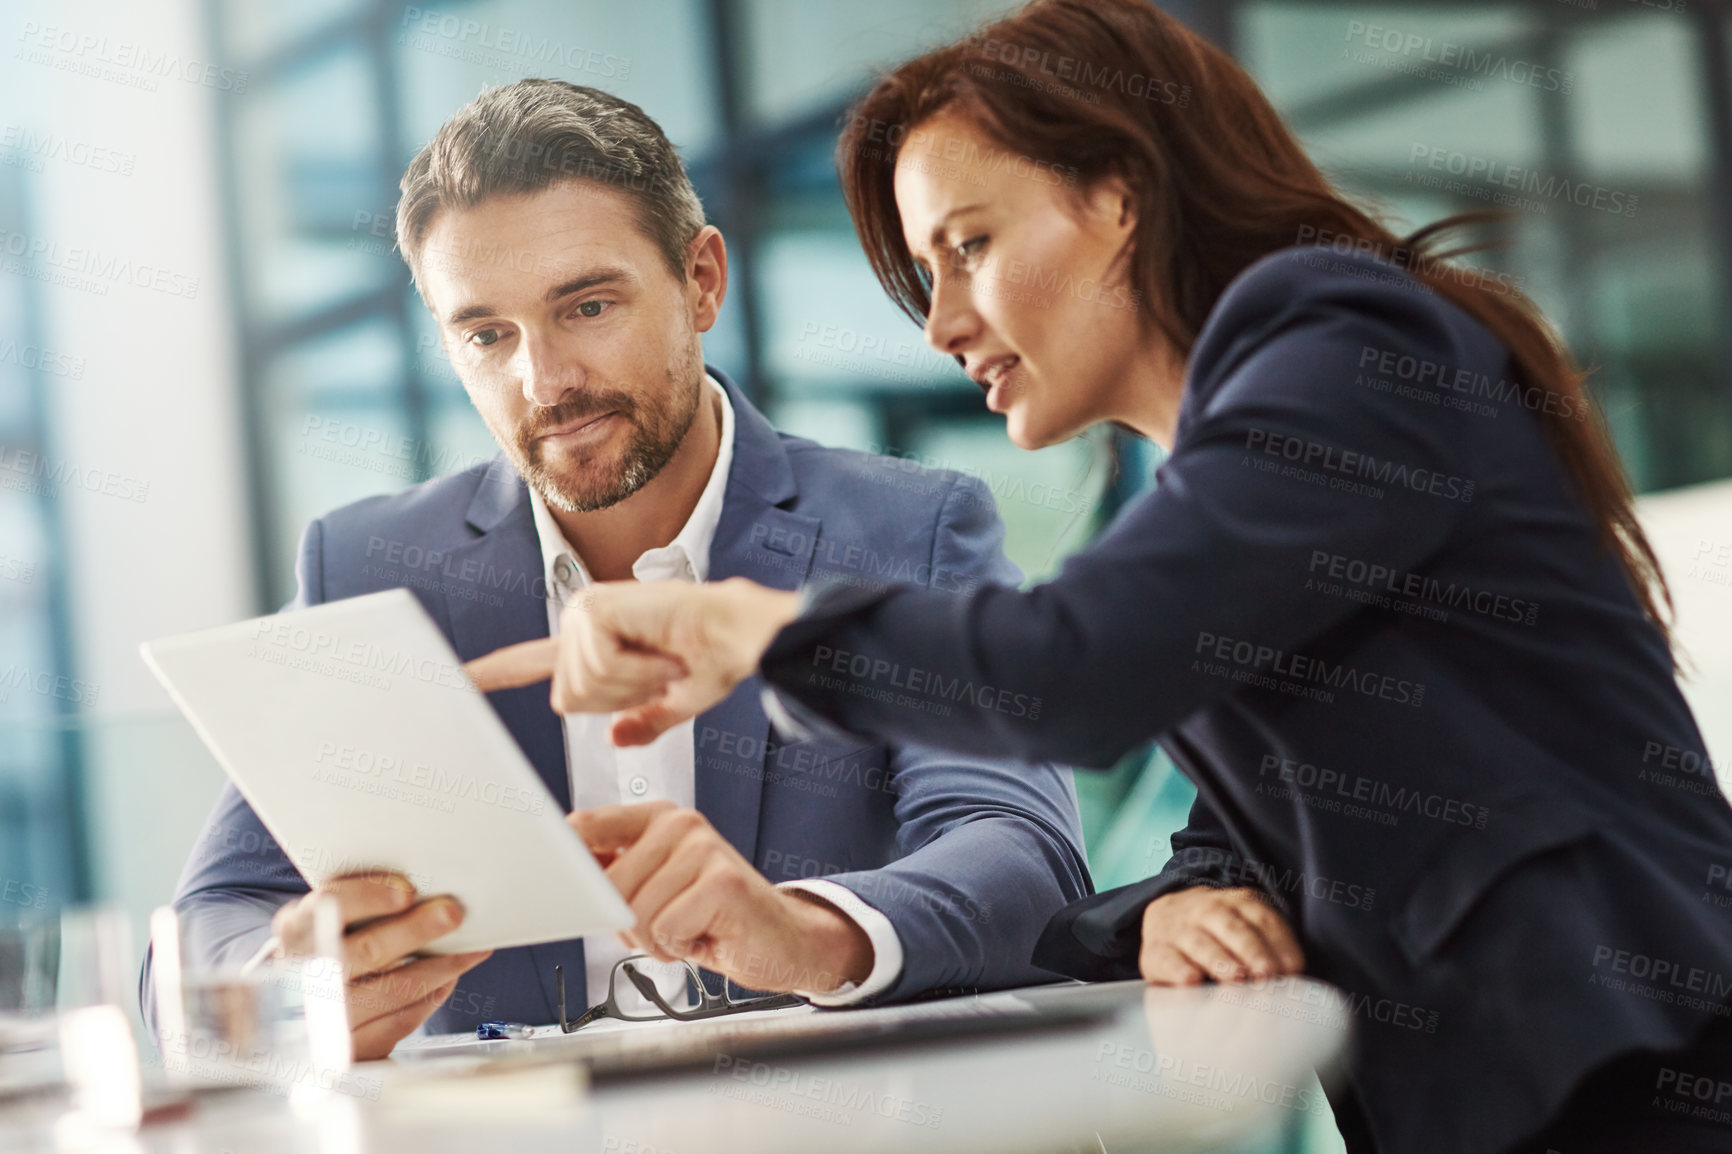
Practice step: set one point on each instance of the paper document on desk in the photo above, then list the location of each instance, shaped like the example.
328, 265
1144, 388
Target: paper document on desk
356, 737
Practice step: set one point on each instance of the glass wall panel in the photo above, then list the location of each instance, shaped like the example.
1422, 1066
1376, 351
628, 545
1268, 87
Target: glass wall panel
1589, 130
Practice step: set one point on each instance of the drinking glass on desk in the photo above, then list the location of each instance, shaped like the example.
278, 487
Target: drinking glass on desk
276, 1022
29, 964
631, 970
98, 1050
29, 970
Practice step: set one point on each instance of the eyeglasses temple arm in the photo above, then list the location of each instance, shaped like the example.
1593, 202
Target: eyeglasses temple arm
647, 988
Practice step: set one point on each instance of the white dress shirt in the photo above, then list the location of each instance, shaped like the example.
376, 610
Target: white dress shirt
601, 774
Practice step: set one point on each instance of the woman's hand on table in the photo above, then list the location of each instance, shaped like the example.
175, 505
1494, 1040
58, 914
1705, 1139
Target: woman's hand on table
1230, 935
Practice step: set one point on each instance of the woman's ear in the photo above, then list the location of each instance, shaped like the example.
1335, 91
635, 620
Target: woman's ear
1110, 201
1127, 205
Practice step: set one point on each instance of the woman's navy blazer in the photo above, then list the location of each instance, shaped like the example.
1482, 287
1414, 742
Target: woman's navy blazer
1368, 614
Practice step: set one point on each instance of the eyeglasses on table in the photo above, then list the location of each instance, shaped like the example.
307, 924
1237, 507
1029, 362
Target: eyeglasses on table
709, 1005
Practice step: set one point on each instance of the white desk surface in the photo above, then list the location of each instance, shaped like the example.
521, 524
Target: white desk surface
1175, 1070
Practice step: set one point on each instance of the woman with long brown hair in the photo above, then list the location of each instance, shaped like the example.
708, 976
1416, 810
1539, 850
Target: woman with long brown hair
1388, 606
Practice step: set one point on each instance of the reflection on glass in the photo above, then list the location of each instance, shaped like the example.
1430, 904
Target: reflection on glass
97, 1048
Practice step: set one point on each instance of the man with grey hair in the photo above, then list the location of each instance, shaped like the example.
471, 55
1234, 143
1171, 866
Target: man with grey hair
556, 240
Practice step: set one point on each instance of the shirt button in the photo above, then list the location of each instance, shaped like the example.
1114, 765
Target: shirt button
638, 786
562, 570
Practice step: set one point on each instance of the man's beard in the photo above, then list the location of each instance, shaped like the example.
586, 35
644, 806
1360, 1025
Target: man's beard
587, 484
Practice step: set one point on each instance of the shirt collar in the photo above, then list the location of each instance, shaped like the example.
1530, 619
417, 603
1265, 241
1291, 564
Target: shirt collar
691, 546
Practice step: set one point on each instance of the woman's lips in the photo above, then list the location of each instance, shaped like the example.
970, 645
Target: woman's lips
1000, 383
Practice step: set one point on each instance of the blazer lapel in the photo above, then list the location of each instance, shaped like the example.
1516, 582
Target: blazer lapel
757, 538
496, 594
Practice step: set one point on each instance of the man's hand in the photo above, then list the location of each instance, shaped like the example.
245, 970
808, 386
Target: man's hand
1230, 935
387, 996
695, 897
660, 651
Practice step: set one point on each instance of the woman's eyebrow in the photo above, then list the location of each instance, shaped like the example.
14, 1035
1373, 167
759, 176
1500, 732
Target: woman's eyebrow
938, 229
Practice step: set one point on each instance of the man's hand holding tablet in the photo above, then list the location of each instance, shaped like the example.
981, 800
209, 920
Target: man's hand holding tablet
390, 992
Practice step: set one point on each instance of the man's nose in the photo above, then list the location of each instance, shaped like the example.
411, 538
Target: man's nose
546, 378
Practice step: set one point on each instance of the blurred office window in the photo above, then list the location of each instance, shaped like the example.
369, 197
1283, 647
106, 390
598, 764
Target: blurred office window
1600, 127
41, 839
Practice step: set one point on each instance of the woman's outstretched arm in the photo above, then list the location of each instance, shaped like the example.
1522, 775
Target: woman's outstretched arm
1288, 468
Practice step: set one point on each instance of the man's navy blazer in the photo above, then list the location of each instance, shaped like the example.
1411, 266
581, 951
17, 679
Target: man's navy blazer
968, 857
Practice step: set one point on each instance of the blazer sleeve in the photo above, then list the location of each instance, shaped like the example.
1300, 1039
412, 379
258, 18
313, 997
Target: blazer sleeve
989, 850
1283, 456
1098, 938
237, 876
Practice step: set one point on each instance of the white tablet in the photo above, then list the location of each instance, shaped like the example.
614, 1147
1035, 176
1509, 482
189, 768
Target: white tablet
353, 732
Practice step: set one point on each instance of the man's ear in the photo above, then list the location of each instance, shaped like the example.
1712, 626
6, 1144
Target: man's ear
706, 276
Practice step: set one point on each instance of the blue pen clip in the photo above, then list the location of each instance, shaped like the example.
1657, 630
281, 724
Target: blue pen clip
499, 1031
